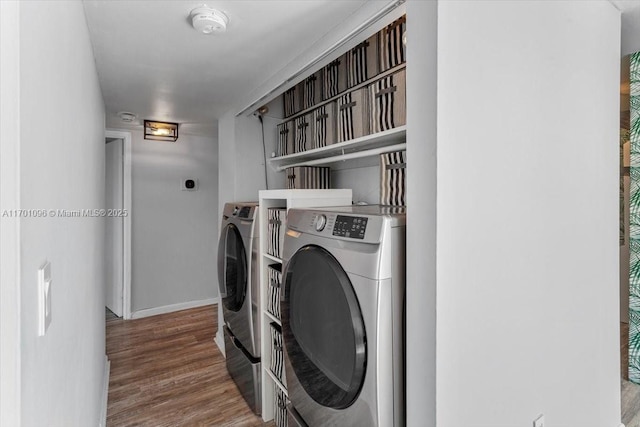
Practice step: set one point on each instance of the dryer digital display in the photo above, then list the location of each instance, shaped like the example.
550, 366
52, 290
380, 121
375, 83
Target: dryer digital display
350, 226
244, 212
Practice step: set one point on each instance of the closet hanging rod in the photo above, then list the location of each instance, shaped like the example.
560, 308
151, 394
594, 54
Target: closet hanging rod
314, 62
349, 156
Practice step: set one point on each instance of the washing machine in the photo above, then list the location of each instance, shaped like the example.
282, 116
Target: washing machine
239, 293
342, 316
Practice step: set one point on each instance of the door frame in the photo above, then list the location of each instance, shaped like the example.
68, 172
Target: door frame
126, 205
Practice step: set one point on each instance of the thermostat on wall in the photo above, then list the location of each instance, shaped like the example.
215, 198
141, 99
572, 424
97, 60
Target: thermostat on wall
189, 184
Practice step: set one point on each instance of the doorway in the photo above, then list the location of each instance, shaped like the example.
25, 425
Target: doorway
630, 259
625, 185
118, 223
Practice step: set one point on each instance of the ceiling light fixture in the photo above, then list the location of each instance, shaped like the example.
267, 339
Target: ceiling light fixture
208, 21
160, 131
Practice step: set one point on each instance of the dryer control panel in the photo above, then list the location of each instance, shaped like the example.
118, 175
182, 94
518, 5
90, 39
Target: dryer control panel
350, 226
340, 226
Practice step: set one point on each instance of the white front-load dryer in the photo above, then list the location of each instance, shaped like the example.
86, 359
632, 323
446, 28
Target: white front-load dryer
342, 316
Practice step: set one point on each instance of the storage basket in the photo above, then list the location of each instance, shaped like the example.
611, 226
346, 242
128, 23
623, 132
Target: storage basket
285, 138
303, 133
393, 179
312, 92
280, 400
290, 102
308, 177
334, 78
275, 280
353, 119
324, 124
277, 353
362, 61
390, 45
275, 230
388, 102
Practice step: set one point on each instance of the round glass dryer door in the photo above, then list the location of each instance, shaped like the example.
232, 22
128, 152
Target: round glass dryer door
232, 268
323, 328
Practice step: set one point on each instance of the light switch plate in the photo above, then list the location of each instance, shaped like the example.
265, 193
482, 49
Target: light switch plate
44, 298
539, 422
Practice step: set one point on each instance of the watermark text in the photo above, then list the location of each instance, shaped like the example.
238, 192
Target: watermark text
64, 213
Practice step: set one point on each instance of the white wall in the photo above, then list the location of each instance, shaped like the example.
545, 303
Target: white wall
227, 167
249, 171
61, 167
241, 173
527, 235
422, 28
9, 227
276, 179
362, 176
174, 232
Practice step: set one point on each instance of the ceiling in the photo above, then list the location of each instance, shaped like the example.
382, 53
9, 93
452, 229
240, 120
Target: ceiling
151, 62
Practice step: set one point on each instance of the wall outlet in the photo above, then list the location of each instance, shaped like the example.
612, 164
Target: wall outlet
539, 422
44, 298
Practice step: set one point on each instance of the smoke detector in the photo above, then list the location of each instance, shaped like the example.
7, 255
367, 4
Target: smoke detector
127, 117
208, 21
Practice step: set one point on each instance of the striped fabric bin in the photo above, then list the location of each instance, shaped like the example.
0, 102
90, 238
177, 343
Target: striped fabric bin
285, 138
312, 90
334, 78
277, 353
388, 102
290, 102
393, 178
308, 177
275, 230
275, 280
324, 124
353, 119
303, 133
280, 401
390, 45
362, 61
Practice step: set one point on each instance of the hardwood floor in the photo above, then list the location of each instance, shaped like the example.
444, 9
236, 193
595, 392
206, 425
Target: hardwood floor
630, 404
630, 391
166, 371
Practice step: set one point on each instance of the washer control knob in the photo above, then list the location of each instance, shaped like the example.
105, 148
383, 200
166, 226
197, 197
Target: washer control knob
321, 221
235, 211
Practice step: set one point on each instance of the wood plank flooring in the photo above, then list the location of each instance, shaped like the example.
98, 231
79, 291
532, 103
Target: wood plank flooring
166, 371
630, 404
630, 391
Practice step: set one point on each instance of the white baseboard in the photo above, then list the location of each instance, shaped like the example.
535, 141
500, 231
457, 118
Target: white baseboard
105, 393
173, 307
219, 340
